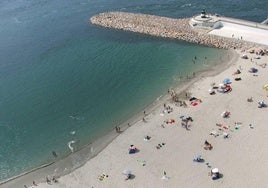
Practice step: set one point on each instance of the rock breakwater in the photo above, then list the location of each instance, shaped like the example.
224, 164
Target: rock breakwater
175, 28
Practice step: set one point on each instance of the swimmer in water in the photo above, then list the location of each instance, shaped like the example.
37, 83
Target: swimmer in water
54, 154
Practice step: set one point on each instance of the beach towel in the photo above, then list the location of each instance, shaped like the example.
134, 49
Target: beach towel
131, 151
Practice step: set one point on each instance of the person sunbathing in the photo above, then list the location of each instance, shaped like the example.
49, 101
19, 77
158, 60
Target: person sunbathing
263, 65
132, 149
227, 88
214, 133
237, 72
226, 114
128, 176
207, 145
250, 99
238, 79
212, 92
169, 121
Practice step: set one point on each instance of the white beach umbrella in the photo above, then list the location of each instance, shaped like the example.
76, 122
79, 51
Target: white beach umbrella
215, 170
127, 172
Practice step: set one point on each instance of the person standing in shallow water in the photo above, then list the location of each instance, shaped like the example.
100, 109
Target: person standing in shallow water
54, 154
34, 183
117, 129
144, 120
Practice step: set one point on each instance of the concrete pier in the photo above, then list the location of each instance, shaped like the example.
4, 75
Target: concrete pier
265, 22
180, 29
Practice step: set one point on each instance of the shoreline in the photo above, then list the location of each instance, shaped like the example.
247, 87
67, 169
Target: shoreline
93, 149
114, 158
187, 86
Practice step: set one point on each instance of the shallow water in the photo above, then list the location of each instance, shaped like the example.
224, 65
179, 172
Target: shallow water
63, 79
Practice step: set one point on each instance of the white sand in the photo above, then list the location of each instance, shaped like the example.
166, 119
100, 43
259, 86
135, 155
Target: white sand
242, 158
236, 31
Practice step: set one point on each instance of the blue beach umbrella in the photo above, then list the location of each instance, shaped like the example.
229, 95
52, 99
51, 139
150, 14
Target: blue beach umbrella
227, 81
197, 157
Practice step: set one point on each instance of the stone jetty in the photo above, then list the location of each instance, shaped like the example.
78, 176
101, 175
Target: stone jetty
175, 28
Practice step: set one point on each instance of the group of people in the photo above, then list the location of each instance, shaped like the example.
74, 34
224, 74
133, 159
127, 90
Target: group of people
49, 181
167, 109
117, 129
185, 121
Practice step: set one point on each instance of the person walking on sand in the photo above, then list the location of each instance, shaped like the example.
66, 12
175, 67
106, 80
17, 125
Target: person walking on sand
48, 180
164, 177
143, 119
34, 183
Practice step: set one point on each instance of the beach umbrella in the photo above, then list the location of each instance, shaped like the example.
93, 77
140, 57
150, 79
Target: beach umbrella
227, 81
127, 172
244, 56
253, 70
265, 87
197, 156
215, 170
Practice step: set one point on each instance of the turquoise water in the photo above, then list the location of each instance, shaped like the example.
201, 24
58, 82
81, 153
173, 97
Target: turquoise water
61, 74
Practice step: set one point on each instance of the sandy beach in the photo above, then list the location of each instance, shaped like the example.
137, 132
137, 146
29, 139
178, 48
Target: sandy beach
240, 158
227, 115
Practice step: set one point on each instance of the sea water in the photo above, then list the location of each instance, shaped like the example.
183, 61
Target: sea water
63, 79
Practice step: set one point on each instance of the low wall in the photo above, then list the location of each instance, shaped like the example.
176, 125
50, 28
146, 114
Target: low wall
195, 22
